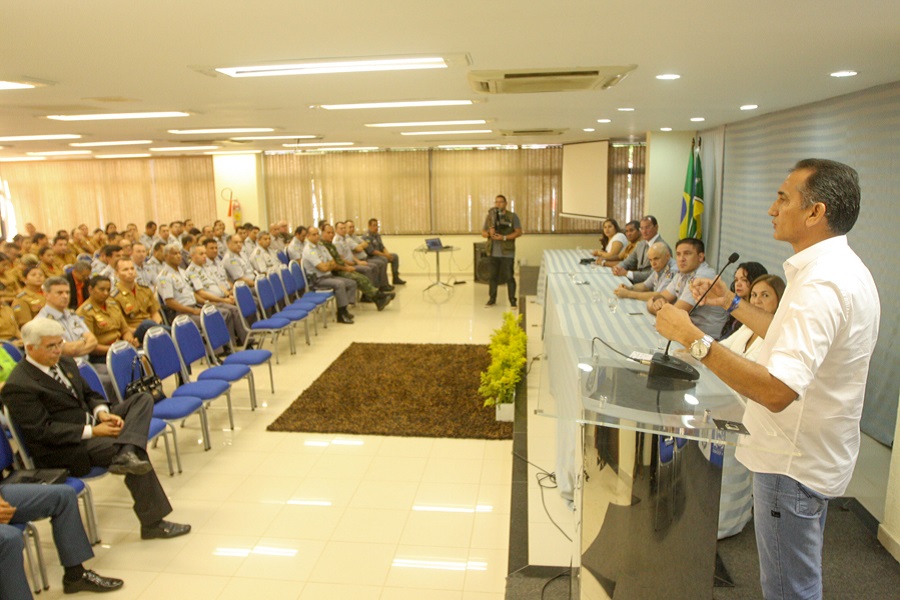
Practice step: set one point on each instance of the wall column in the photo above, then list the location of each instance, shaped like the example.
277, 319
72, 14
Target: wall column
243, 175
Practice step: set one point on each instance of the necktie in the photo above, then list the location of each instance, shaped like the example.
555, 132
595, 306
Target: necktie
56, 373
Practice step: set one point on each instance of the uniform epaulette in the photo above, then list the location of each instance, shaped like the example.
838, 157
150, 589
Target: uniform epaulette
87, 306
20, 294
115, 291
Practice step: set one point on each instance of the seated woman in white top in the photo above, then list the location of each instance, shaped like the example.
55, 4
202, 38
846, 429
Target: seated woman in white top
612, 240
736, 500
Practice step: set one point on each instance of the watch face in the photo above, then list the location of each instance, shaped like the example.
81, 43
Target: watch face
699, 349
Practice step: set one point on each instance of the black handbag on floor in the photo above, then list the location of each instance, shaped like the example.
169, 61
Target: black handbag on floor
147, 383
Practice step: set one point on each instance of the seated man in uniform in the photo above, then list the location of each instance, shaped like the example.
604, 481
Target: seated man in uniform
374, 272
664, 269
48, 263
236, 266
341, 269
138, 302
9, 285
318, 265
65, 424
9, 328
208, 289
264, 258
79, 342
105, 320
376, 248
295, 248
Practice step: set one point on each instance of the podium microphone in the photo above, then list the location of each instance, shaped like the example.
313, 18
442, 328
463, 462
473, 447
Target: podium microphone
665, 368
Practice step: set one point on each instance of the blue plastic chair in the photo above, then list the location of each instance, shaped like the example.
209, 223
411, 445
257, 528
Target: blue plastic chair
125, 365
218, 338
14, 353
293, 298
190, 345
303, 290
158, 427
268, 301
166, 361
79, 484
283, 257
260, 328
283, 300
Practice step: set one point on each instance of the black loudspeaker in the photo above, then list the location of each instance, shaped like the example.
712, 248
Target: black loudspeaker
482, 264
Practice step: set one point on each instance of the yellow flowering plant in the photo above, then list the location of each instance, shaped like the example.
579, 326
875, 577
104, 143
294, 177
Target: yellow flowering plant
507, 350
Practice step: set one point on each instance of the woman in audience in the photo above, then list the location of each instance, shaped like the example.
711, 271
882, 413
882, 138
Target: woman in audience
736, 501
612, 240
745, 274
30, 300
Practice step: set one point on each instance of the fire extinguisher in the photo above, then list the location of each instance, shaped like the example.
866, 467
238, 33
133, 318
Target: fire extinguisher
234, 206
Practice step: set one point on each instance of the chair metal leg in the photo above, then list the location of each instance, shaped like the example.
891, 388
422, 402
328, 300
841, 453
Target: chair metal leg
252, 381
165, 437
87, 499
171, 427
271, 375
29, 536
306, 328
204, 428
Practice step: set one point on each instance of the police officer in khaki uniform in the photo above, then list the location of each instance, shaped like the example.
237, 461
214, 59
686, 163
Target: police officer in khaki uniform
9, 329
104, 318
9, 285
29, 302
137, 302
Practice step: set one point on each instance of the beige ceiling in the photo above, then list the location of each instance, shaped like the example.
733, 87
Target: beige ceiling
146, 55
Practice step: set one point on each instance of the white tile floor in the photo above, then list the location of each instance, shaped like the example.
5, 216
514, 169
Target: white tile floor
307, 516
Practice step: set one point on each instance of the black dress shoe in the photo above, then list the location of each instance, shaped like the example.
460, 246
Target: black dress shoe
386, 288
398, 281
366, 299
128, 463
383, 301
91, 582
491, 302
165, 530
512, 303
345, 318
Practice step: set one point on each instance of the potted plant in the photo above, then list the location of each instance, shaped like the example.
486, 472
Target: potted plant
507, 350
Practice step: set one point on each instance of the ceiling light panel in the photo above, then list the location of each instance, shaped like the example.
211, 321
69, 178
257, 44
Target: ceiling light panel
22, 158
122, 155
59, 153
351, 65
118, 116
222, 130
183, 148
37, 138
402, 104
119, 143
459, 132
429, 123
275, 137
317, 144
15, 85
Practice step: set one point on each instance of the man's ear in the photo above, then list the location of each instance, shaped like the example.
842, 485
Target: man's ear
816, 215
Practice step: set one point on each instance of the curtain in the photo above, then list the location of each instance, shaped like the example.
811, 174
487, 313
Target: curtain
627, 168
63, 194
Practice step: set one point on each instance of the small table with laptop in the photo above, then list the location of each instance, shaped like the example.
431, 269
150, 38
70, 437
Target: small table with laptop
434, 246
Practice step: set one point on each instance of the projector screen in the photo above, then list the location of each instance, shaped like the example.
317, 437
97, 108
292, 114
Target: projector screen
584, 169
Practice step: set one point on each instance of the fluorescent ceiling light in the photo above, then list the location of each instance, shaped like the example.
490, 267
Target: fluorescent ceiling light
844, 74
459, 132
604, 120
183, 148
668, 76
219, 152
317, 144
274, 137
222, 130
665, 129
356, 65
429, 123
749, 107
697, 119
59, 153
625, 109
589, 130
450, 146
355, 149
120, 143
117, 116
15, 85
403, 104
122, 155
30, 138
22, 158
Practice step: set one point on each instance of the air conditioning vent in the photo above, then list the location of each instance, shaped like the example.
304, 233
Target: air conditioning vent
529, 81
531, 132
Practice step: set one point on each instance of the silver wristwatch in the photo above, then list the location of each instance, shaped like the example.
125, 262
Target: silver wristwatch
700, 348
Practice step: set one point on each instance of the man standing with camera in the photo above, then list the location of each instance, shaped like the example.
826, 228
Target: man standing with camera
501, 228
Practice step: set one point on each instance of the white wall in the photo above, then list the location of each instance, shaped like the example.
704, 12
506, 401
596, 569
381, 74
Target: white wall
242, 173
889, 530
667, 160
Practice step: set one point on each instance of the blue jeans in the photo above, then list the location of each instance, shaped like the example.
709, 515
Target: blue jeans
790, 525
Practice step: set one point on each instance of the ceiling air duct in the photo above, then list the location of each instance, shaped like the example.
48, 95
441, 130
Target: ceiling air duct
529, 81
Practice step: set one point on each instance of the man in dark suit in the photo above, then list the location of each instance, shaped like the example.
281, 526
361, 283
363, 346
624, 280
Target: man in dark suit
78, 283
636, 265
65, 424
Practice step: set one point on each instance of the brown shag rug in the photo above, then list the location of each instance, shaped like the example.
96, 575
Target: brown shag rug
420, 390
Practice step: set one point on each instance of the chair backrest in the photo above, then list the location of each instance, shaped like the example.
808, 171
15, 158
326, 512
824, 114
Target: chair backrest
283, 257
14, 353
215, 328
266, 295
290, 286
245, 301
299, 277
89, 374
7, 456
277, 288
16, 434
188, 340
123, 365
163, 354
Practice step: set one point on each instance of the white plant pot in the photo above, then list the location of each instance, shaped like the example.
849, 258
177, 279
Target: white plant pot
505, 411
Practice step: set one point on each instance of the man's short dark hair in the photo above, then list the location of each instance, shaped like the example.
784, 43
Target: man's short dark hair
158, 245
697, 244
44, 250
300, 229
373, 220
650, 218
59, 237
36, 238
94, 280
52, 281
188, 239
635, 224
836, 186
110, 249
81, 266
501, 196
150, 224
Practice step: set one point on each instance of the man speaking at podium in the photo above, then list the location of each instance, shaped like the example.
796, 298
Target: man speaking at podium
810, 378
501, 228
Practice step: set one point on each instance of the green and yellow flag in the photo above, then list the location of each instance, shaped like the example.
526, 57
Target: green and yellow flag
692, 198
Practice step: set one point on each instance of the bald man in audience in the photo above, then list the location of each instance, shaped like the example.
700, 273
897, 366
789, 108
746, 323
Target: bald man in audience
664, 270
636, 265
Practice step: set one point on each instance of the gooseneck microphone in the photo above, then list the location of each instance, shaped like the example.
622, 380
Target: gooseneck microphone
664, 368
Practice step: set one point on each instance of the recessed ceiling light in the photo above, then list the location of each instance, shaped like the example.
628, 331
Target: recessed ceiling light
220, 152
122, 155
458, 132
117, 116
844, 74
625, 109
589, 129
604, 120
404, 104
274, 137
665, 129
15, 85
22, 158
183, 148
697, 119
59, 153
337, 66
121, 143
749, 107
668, 76
429, 123
30, 138
317, 144
222, 130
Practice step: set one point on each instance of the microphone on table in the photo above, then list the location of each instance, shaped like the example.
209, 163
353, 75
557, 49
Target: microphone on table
665, 369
